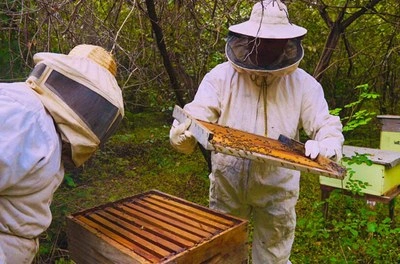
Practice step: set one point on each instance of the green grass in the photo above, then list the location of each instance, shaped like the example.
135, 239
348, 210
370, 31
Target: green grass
139, 158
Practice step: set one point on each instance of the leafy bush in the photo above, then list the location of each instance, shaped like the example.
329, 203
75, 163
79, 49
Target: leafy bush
354, 234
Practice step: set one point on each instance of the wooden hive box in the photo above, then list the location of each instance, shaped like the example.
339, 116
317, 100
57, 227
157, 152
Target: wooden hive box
383, 176
155, 227
390, 133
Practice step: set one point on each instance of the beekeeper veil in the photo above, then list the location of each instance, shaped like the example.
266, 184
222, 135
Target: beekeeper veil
267, 42
80, 92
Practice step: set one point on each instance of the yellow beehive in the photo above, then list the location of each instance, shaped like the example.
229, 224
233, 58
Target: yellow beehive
390, 133
155, 227
383, 176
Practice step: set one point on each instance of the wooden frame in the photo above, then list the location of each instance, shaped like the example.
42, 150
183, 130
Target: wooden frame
255, 147
154, 227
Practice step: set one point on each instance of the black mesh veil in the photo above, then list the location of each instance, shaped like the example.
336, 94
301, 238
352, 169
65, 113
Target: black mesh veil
239, 47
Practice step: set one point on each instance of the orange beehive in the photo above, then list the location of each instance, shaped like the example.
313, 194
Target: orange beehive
155, 227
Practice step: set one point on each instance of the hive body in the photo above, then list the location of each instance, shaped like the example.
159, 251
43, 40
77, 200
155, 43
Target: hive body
155, 227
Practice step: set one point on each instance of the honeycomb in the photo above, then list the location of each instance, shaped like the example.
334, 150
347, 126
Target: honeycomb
236, 142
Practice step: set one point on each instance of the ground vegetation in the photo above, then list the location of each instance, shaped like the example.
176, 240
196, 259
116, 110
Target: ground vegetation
163, 49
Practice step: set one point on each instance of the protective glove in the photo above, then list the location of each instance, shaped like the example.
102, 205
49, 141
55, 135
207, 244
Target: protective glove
328, 148
182, 139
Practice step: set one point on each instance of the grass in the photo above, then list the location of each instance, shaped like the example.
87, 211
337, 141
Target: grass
139, 158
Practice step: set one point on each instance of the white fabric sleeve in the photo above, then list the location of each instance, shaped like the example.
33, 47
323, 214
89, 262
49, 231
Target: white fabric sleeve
206, 103
205, 106
316, 120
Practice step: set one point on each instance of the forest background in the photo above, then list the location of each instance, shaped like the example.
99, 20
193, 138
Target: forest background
163, 49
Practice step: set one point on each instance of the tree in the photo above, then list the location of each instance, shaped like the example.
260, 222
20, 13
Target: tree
337, 28
349, 43
360, 38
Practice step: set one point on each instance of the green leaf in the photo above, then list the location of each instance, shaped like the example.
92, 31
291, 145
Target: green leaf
354, 232
69, 180
371, 227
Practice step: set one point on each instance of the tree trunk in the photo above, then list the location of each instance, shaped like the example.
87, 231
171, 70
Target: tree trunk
330, 45
159, 36
168, 66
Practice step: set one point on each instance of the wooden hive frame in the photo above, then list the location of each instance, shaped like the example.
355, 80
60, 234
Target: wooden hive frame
155, 227
251, 146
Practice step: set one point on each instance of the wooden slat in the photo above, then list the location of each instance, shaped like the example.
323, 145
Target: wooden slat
142, 232
87, 246
190, 208
171, 221
201, 220
116, 237
161, 224
178, 217
228, 247
166, 234
135, 238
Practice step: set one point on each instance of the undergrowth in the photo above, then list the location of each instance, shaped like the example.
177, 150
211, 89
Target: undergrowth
139, 158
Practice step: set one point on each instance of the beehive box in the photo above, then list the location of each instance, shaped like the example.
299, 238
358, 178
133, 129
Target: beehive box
383, 176
390, 132
155, 227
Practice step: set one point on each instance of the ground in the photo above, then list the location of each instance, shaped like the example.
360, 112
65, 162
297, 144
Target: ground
139, 158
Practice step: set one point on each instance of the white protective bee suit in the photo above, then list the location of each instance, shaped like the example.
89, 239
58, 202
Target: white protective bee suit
31, 140
30, 171
266, 102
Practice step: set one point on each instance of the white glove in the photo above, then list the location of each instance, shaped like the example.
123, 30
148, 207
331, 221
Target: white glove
182, 139
328, 148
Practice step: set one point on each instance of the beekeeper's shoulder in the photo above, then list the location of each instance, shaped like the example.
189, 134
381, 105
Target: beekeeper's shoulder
300, 76
19, 95
221, 71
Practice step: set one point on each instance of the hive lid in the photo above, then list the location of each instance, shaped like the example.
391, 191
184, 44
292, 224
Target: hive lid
390, 123
255, 147
388, 117
386, 158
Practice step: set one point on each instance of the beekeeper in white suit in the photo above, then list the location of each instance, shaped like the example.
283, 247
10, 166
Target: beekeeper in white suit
261, 90
70, 103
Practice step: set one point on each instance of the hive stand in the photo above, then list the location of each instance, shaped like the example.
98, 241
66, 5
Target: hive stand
370, 199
